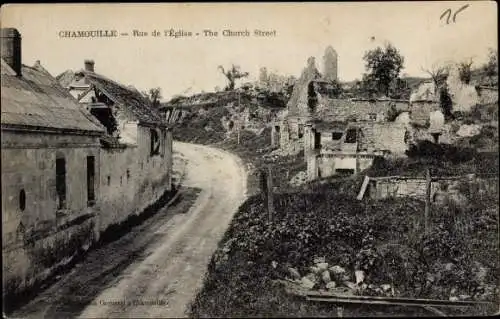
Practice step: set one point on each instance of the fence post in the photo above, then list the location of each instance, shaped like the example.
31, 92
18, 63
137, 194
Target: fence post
270, 199
427, 200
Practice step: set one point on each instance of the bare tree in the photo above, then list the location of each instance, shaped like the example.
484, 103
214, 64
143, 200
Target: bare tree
465, 71
154, 95
438, 74
232, 75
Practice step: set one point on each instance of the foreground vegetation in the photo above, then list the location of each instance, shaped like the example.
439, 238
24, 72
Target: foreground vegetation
384, 238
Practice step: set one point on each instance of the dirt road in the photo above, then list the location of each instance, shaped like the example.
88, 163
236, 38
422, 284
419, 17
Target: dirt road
163, 263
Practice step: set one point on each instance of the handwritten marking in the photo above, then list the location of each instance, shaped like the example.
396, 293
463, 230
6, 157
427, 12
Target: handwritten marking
448, 12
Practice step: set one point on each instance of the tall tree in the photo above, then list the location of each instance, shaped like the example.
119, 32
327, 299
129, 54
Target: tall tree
232, 75
383, 66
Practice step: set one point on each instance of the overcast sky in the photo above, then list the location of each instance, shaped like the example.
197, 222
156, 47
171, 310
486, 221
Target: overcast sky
302, 30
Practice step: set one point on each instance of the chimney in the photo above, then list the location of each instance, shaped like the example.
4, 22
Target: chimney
11, 48
89, 65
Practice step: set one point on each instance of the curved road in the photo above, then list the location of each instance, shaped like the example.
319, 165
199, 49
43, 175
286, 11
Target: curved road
169, 269
167, 280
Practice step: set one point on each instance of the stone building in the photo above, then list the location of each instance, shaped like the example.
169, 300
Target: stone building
50, 170
136, 157
71, 167
330, 64
336, 146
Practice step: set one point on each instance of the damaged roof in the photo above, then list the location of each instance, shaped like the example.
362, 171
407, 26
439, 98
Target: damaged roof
334, 110
134, 103
36, 99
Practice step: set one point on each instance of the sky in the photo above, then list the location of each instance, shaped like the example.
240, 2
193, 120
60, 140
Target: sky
189, 64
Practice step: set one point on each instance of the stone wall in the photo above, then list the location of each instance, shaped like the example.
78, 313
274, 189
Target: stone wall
488, 95
400, 186
131, 179
326, 164
36, 236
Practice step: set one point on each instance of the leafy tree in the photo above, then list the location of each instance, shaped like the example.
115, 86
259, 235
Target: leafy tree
491, 67
154, 96
232, 75
368, 86
383, 66
465, 71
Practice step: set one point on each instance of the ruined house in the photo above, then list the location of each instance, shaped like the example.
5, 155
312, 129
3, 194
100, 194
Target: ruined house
136, 156
50, 171
343, 140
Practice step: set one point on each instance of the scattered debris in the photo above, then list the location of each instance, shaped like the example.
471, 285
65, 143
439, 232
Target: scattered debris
294, 273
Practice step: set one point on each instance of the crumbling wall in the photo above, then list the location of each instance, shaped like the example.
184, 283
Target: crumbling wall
488, 95
400, 186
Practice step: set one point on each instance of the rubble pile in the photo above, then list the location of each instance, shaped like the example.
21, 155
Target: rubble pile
321, 276
299, 179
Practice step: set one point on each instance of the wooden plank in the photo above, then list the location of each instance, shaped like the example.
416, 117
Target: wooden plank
437, 302
383, 302
363, 188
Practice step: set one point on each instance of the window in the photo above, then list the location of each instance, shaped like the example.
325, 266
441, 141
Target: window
90, 180
128, 174
22, 200
317, 140
155, 142
337, 136
301, 130
373, 116
351, 135
61, 183
277, 128
344, 171
109, 180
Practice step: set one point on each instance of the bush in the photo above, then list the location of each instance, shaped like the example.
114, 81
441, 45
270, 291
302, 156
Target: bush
440, 152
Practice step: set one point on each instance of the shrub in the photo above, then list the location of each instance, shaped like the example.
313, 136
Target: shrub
440, 152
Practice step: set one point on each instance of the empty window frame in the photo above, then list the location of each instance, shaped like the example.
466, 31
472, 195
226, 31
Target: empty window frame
317, 140
337, 136
61, 182
22, 200
155, 142
351, 135
90, 180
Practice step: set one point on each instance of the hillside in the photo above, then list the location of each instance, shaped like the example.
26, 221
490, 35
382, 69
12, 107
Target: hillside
213, 117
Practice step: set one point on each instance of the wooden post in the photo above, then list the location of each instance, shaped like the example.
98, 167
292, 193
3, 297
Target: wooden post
364, 186
270, 203
239, 129
427, 200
